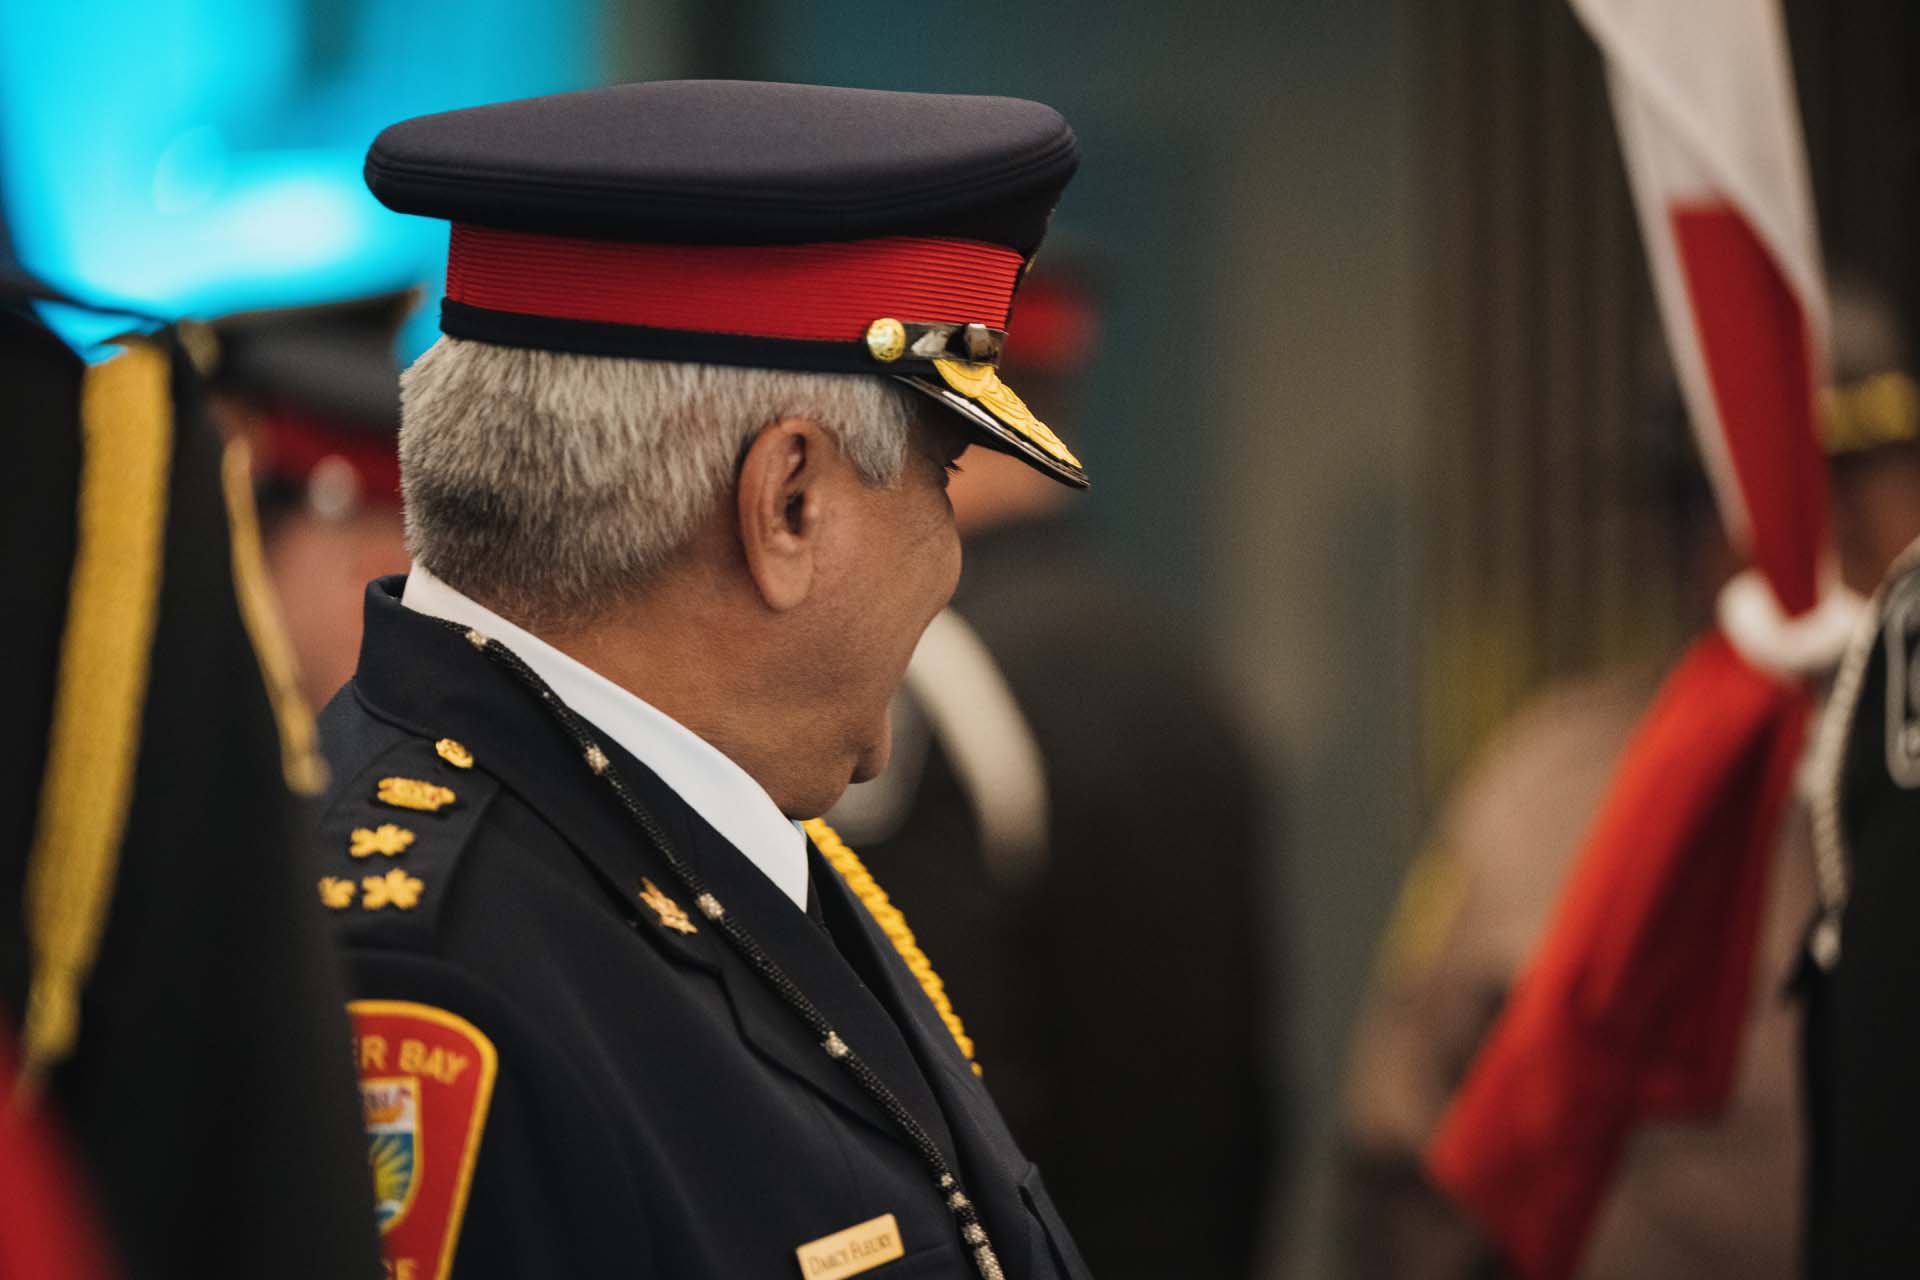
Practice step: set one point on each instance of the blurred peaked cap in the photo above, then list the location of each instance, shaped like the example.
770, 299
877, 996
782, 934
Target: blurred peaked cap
763, 225
1869, 336
333, 361
1056, 319
326, 384
20, 287
1871, 400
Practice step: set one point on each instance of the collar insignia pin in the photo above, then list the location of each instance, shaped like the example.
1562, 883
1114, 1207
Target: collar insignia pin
671, 916
412, 793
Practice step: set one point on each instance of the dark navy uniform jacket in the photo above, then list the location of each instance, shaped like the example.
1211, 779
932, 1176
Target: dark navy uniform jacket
657, 1110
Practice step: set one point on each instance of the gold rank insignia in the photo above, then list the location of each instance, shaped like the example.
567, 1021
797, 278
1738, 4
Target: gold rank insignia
666, 908
454, 754
336, 893
395, 889
386, 839
412, 793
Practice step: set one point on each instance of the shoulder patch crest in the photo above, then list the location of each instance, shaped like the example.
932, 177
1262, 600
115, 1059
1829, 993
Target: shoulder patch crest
426, 1079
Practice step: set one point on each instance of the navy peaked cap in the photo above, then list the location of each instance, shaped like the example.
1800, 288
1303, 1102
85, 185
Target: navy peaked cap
731, 222
735, 161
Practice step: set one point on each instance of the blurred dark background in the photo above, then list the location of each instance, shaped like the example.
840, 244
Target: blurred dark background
1367, 408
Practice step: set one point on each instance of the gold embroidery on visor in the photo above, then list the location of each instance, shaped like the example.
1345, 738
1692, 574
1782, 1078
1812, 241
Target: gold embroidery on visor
981, 383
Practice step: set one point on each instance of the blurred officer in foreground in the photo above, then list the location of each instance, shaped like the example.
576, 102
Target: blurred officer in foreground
675, 485
1043, 767
315, 393
1690, 1199
169, 1001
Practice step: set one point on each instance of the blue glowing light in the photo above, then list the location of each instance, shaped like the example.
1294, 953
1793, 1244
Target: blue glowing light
193, 157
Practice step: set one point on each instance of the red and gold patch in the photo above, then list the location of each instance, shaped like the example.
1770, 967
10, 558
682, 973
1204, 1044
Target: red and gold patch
426, 1077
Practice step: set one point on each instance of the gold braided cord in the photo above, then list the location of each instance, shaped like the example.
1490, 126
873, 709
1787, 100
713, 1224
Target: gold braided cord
892, 923
126, 431
300, 760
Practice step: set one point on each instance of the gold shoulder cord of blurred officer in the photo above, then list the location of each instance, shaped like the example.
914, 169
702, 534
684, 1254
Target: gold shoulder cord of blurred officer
126, 433
300, 760
892, 923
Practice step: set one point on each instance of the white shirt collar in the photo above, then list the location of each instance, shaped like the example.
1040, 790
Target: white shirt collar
718, 789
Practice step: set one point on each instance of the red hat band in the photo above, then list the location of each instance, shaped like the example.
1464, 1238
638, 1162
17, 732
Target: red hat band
828, 292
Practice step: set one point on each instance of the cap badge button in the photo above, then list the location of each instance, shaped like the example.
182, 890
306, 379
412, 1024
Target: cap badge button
886, 340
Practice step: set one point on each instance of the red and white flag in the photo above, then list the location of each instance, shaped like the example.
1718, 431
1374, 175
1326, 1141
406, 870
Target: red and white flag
1703, 96
1633, 1004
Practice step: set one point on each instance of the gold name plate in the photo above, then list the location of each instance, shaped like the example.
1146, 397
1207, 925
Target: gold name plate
849, 1252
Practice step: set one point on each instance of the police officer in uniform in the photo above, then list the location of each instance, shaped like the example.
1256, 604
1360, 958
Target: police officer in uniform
675, 498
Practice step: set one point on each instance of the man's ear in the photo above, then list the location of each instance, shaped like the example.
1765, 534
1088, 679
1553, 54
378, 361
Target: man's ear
780, 506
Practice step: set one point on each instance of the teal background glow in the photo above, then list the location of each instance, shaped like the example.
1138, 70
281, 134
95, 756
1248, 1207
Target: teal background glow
194, 157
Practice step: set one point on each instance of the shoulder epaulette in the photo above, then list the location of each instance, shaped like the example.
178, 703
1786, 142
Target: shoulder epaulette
393, 835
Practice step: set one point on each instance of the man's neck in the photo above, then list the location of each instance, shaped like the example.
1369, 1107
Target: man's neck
695, 662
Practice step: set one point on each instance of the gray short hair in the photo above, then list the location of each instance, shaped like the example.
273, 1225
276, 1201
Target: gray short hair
548, 485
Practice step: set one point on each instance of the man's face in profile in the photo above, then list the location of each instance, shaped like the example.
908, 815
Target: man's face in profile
897, 568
